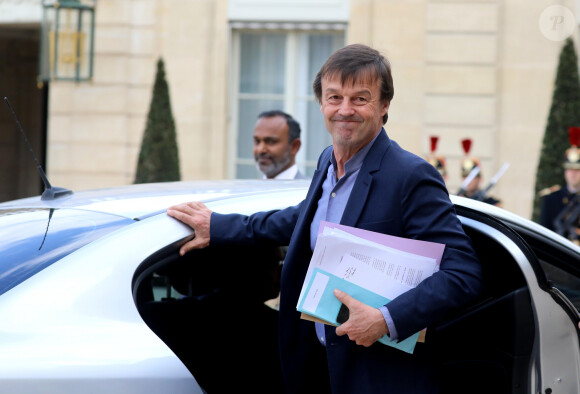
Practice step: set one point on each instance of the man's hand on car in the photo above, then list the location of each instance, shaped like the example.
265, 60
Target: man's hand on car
197, 216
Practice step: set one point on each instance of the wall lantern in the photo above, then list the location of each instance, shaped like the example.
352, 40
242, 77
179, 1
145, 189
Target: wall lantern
67, 40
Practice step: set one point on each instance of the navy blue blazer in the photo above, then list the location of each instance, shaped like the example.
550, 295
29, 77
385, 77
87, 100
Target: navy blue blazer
396, 193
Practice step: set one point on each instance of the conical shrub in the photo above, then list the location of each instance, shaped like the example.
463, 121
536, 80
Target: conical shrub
159, 156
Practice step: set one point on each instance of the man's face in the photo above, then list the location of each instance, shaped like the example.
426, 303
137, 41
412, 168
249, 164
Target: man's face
353, 113
572, 178
272, 152
473, 186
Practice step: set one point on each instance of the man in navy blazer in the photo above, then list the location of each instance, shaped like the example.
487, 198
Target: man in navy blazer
365, 180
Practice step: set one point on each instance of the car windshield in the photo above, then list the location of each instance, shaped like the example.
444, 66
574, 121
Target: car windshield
33, 239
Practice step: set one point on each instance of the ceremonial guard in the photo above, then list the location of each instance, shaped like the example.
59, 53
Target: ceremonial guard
561, 204
436, 160
471, 174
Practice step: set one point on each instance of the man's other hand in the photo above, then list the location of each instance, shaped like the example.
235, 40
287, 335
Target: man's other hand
197, 216
365, 324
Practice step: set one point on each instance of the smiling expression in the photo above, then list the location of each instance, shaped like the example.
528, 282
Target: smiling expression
353, 111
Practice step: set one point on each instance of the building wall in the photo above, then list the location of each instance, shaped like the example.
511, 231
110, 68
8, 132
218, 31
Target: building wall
194, 39
95, 129
462, 68
468, 69
527, 71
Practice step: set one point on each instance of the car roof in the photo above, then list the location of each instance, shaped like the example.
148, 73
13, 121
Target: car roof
143, 200
514, 221
138, 201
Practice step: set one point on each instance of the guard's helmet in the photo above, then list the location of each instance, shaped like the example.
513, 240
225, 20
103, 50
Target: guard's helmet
572, 160
436, 160
468, 163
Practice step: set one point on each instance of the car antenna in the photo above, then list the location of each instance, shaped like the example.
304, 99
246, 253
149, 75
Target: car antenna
50, 192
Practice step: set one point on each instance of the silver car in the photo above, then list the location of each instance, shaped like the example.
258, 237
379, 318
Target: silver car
94, 297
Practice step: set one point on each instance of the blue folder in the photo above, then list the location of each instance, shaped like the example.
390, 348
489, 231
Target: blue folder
319, 301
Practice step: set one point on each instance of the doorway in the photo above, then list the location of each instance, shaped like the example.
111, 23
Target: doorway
19, 58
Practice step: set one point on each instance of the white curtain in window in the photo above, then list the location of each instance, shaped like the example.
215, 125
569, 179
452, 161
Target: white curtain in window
276, 71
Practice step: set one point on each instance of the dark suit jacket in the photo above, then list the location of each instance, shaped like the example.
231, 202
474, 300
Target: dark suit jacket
395, 193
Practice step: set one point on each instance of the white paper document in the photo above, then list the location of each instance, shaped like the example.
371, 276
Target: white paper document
381, 269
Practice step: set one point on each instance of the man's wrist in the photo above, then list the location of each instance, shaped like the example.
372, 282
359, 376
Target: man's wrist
391, 329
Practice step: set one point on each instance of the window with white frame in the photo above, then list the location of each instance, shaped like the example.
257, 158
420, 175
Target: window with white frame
273, 68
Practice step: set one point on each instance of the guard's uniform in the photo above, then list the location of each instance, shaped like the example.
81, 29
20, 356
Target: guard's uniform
468, 164
556, 210
491, 200
561, 208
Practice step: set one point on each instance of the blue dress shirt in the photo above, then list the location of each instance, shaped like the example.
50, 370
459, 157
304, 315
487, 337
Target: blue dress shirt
331, 205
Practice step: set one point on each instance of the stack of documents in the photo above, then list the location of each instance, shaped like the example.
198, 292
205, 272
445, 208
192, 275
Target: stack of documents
373, 268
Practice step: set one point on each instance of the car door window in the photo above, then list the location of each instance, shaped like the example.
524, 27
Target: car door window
560, 263
215, 308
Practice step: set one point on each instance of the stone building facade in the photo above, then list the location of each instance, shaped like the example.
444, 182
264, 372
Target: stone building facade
479, 69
